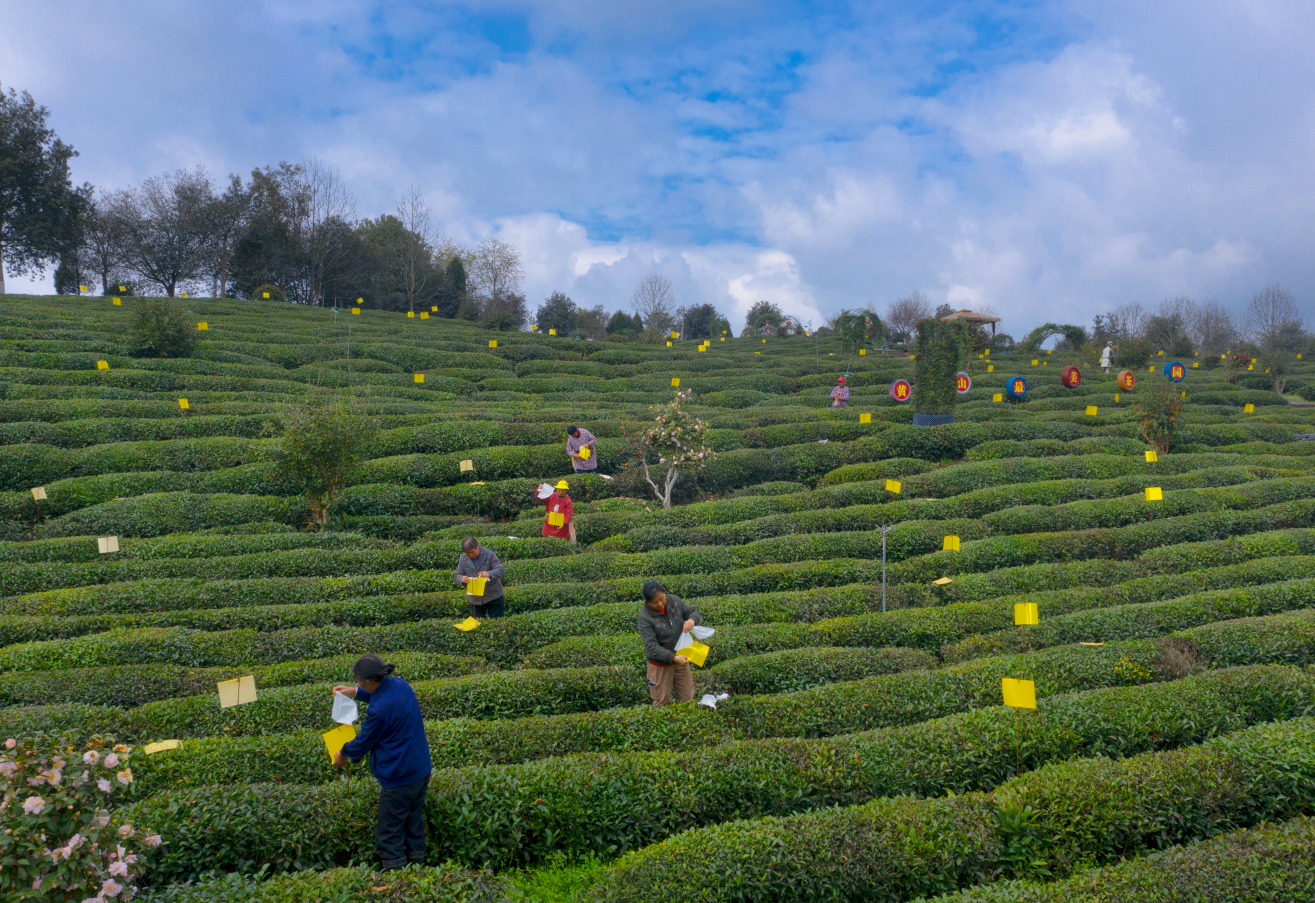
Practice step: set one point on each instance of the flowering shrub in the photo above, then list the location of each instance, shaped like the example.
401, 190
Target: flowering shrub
677, 439
58, 842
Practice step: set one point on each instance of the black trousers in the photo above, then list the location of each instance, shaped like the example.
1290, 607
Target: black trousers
399, 830
494, 608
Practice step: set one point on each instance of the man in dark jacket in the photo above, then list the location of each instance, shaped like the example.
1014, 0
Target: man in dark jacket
662, 620
476, 562
393, 735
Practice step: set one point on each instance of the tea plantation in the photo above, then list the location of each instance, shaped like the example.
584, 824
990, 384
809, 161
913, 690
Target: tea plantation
861, 754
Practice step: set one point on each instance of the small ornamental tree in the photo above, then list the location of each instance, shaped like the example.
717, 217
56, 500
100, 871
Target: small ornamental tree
60, 842
159, 329
1159, 409
676, 439
323, 443
942, 349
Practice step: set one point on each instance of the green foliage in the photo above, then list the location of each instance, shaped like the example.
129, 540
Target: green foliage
160, 329
1160, 412
558, 312
323, 444
942, 350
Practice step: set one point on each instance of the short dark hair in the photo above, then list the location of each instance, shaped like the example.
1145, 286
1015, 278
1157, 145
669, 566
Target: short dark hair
651, 589
572, 431
371, 668
469, 543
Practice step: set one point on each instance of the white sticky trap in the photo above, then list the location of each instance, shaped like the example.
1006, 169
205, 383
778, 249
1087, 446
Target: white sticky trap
108, 544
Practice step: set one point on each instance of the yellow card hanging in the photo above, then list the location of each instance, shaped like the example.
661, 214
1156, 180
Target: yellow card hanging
1093, 645
39, 493
102, 365
990, 368
152, 748
1025, 613
668, 344
1151, 456
265, 295
356, 310
337, 738
555, 519
950, 544
467, 625
1091, 410
117, 302
475, 586
675, 381
182, 403
696, 652
1154, 494
466, 465
862, 351
493, 343
1249, 409
1018, 694
239, 691
552, 332
419, 377
864, 418
433, 310
108, 544
203, 326
893, 486
585, 453
998, 396
424, 315
410, 314
944, 581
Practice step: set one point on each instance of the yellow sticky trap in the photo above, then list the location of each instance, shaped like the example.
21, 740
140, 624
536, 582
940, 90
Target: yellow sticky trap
123, 288
1298, 357
39, 493
419, 377
152, 748
356, 310
1196, 364
410, 314
990, 368
1018, 694
424, 315
1093, 645
950, 544
467, 625
102, 365
668, 344
585, 453
1159, 354
1034, 363
697, 653
673, 335
1184, 392
764, 341
701, 348
107, 544
864, 418
1154, 494
1047, 352
675, 380
1025, 613
184, 294
1116, 397
1045, 363
555, 519
723, 338
1091, 410
475, 586
1253, 360
337, 738
998, 396
862, 351
987, 352
493, 343
893, 486
1151, 456
203, 326
182, 403
117, 302
82, 288
479, 483
265, 295
1249, 409
944, 581
552, 332
912, 356
466, 465
1249, 367
239, 691
433, 310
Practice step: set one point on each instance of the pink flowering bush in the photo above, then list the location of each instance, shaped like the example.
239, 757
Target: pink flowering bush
59, 843
677, 439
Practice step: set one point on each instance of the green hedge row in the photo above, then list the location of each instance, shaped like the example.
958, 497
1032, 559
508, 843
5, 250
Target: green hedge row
604, 805
23, 466
1268, 864
1090, 811
880, 702
182, 545
416, 884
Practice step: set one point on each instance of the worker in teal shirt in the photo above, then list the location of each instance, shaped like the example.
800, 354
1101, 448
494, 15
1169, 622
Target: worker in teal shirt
393, 736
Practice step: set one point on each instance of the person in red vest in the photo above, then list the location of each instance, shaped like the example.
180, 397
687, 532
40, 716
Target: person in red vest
558, 503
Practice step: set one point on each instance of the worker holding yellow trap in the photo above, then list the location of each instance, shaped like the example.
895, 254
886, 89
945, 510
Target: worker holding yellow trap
481, 573
662, 622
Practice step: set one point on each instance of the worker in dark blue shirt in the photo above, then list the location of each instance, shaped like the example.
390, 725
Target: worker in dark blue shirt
393, 735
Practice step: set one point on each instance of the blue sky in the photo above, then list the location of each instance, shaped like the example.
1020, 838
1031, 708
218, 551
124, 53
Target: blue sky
1050, 159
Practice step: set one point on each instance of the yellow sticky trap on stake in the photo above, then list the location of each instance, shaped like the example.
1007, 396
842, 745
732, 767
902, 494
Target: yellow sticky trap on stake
1025, 613
990, 368
1093, 645
117, 302
184, 294
102, 365
893, 486
1116, 397
108, 544
701, 348
696, 652
419, 377
944, 581
410, 314
556, 519
493, 343
862, 351
764, 341
182, 403
152, 748
1091, 410
82, 288
864, 418
475, 586
552, 332
1184, 392
1159, 354
987, 352
239, 691
675, 380
1154, 494
39, 493
356, 310
265, 295
998, 396
1151, 456
337, 738
1196, 364
1249, 409
123, 288
723, 338
1018, 694
1034, 363
668, 344
466, 465
424, 315
950, 544
467, 625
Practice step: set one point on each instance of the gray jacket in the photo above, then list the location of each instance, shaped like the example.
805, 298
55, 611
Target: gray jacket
660, 632
485, 561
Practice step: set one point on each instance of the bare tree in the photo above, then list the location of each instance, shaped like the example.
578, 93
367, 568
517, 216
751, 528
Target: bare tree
495, 271
1274, 324
228, 217
101, 251
163, 227
655, 302
1213, 330
903, 316
415, 257
323, 205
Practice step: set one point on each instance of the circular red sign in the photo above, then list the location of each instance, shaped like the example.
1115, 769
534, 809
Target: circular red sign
900, 391
1071, 377
962, 383
1127, 381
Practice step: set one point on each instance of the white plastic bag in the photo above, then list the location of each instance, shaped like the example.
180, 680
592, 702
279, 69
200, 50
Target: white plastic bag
685, 640
544, 491
345, 710
702, 633
711, 701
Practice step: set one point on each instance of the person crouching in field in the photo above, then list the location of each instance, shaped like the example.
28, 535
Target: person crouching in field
393, 736
662, 620
559, 509
476, 562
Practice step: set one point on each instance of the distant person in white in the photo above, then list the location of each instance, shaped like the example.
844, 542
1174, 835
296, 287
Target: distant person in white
1105, 357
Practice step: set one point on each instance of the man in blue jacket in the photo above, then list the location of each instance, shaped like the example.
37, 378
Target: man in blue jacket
393, 735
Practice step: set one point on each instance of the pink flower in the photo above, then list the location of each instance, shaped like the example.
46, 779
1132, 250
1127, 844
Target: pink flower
75, 841
103, 819
125, 831
10, 743
33, 804
110, 888
104, 786
8, 768
152, 840
36, 885
111, 760
94, 900
118, 869
90, 757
